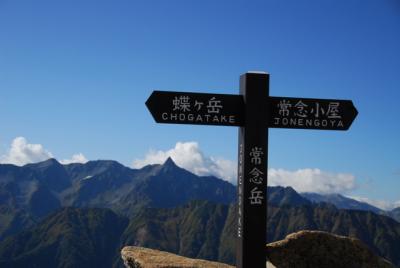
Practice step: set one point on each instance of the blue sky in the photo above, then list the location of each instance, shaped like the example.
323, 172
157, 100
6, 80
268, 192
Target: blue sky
74, 77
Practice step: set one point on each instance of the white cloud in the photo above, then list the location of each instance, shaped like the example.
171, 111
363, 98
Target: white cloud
189, 156
382, 204
76, 158
312, 180
21, 152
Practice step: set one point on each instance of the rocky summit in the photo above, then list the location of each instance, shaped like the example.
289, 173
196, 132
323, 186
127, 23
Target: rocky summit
303, 249
320, 249
138, 257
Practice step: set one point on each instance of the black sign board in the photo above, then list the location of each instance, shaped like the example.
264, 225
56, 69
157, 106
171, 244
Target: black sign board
307, 113
254, 111
196, 108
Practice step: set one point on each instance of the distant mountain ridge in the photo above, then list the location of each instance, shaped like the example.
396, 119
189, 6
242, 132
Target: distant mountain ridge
30, 192
395, 214
341, 202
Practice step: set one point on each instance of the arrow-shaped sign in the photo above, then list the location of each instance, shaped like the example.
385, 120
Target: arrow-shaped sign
304, 113
196, 108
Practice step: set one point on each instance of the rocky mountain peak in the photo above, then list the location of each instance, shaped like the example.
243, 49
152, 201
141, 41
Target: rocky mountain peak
169, 166
49, 163
169, 163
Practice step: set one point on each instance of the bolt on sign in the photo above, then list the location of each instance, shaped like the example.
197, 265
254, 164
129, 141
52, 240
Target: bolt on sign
254, 112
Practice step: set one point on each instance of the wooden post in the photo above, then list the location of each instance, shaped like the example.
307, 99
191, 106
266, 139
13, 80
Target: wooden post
252, 172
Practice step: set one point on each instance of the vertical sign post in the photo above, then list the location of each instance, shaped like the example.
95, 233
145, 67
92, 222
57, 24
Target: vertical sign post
252, 172
254, 111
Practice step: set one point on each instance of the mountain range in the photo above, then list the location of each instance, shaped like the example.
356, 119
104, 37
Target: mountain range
344, 202
54, 215
395, 214
29, 193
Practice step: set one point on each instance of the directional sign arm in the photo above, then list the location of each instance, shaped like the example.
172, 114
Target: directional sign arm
196, 108
306, 113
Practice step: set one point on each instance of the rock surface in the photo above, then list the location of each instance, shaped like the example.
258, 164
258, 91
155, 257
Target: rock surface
303, 249
137, 257
321, 249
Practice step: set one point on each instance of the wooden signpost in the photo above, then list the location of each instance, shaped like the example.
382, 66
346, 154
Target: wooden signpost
254, 111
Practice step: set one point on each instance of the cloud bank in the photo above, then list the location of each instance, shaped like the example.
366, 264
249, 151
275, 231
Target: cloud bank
76, 158
312, 180
188, 155
22, 152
